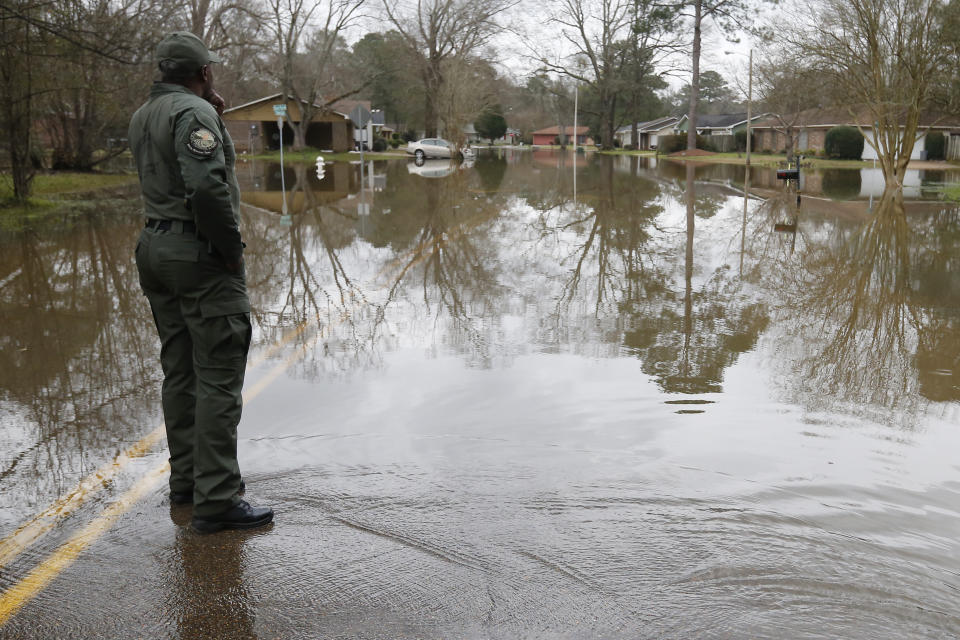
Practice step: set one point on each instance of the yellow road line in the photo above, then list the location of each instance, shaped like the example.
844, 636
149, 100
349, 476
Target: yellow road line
14, 544
21, 593
34, 582
29, 532
17, 596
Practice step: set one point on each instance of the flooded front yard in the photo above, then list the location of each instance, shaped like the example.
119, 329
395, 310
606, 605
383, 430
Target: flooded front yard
537, 395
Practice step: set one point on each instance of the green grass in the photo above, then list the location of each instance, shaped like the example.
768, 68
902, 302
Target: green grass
310, 155
626, 152
66, 182
771, 160
951, 192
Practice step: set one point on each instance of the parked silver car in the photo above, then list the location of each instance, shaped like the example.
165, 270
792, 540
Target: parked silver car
432, 148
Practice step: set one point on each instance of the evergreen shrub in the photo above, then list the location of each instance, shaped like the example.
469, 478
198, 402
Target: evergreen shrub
844, 143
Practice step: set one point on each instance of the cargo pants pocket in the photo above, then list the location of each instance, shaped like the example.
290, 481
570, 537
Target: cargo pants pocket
226, 332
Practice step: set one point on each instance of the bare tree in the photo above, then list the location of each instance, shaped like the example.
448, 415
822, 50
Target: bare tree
468, 89
220, 23
617, 46
308, 35
441, 30
888, 54
786, 88
67, 62
597, 34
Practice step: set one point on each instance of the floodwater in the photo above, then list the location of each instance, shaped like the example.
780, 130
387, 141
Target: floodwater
539, 395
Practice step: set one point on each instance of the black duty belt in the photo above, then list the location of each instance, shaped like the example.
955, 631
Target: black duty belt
176, 226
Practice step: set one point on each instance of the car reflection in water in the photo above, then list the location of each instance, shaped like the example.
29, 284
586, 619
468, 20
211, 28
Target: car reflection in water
432, 168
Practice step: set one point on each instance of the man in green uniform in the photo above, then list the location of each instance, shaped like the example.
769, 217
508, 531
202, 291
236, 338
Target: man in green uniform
190, 261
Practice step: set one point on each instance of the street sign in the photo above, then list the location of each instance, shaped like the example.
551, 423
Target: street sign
360, 116
279, 110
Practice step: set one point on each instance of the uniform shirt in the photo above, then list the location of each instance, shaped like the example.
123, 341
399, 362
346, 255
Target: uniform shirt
185, 161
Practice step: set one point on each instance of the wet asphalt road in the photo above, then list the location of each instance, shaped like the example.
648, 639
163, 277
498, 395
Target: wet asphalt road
494, 407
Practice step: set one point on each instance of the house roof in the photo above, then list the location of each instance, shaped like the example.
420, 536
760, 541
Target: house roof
346, 106
722, 120
334, 108
581, 131
651, 125
849, 116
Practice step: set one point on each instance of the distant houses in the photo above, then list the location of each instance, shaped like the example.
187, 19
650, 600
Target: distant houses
512, 136
549, 136
648, 133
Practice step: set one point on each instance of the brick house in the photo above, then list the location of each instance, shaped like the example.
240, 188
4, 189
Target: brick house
548, 135
253, 126
811, 128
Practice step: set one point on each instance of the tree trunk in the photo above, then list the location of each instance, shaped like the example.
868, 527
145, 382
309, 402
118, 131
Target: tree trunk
695, 81
429, 115
432, 83
608, 128
16, 99
790, 145
299, 135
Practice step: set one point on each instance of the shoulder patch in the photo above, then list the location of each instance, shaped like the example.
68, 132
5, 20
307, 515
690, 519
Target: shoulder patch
202, 142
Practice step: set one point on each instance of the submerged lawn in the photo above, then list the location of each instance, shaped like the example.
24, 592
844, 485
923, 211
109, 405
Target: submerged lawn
52, 192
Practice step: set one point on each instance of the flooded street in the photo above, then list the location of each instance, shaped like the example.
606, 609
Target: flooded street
535, 396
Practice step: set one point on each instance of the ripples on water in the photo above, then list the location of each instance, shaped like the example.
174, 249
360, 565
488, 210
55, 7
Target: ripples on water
639, 408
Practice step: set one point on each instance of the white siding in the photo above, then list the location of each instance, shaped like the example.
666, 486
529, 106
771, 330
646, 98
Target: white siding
870, 154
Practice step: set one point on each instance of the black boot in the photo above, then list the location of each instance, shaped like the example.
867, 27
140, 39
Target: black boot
240, 516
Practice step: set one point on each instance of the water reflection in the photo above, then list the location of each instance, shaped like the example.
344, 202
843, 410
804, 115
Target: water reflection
615, 264
648, 259
208, 597
852, 303
77, 371
481, 359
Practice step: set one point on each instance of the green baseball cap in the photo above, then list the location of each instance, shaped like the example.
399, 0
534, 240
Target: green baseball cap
186, 50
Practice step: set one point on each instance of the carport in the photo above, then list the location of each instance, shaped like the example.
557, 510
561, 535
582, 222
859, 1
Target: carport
253, 127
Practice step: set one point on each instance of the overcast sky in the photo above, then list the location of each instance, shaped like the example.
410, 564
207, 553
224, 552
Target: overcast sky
530, 32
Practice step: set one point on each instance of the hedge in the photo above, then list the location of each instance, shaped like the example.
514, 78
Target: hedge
669, 144
844, 143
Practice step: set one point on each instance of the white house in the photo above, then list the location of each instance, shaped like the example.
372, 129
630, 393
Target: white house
648, 132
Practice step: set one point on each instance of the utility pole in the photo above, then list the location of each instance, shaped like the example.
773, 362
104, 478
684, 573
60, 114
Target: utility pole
576, 104
749, 103
280, 110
